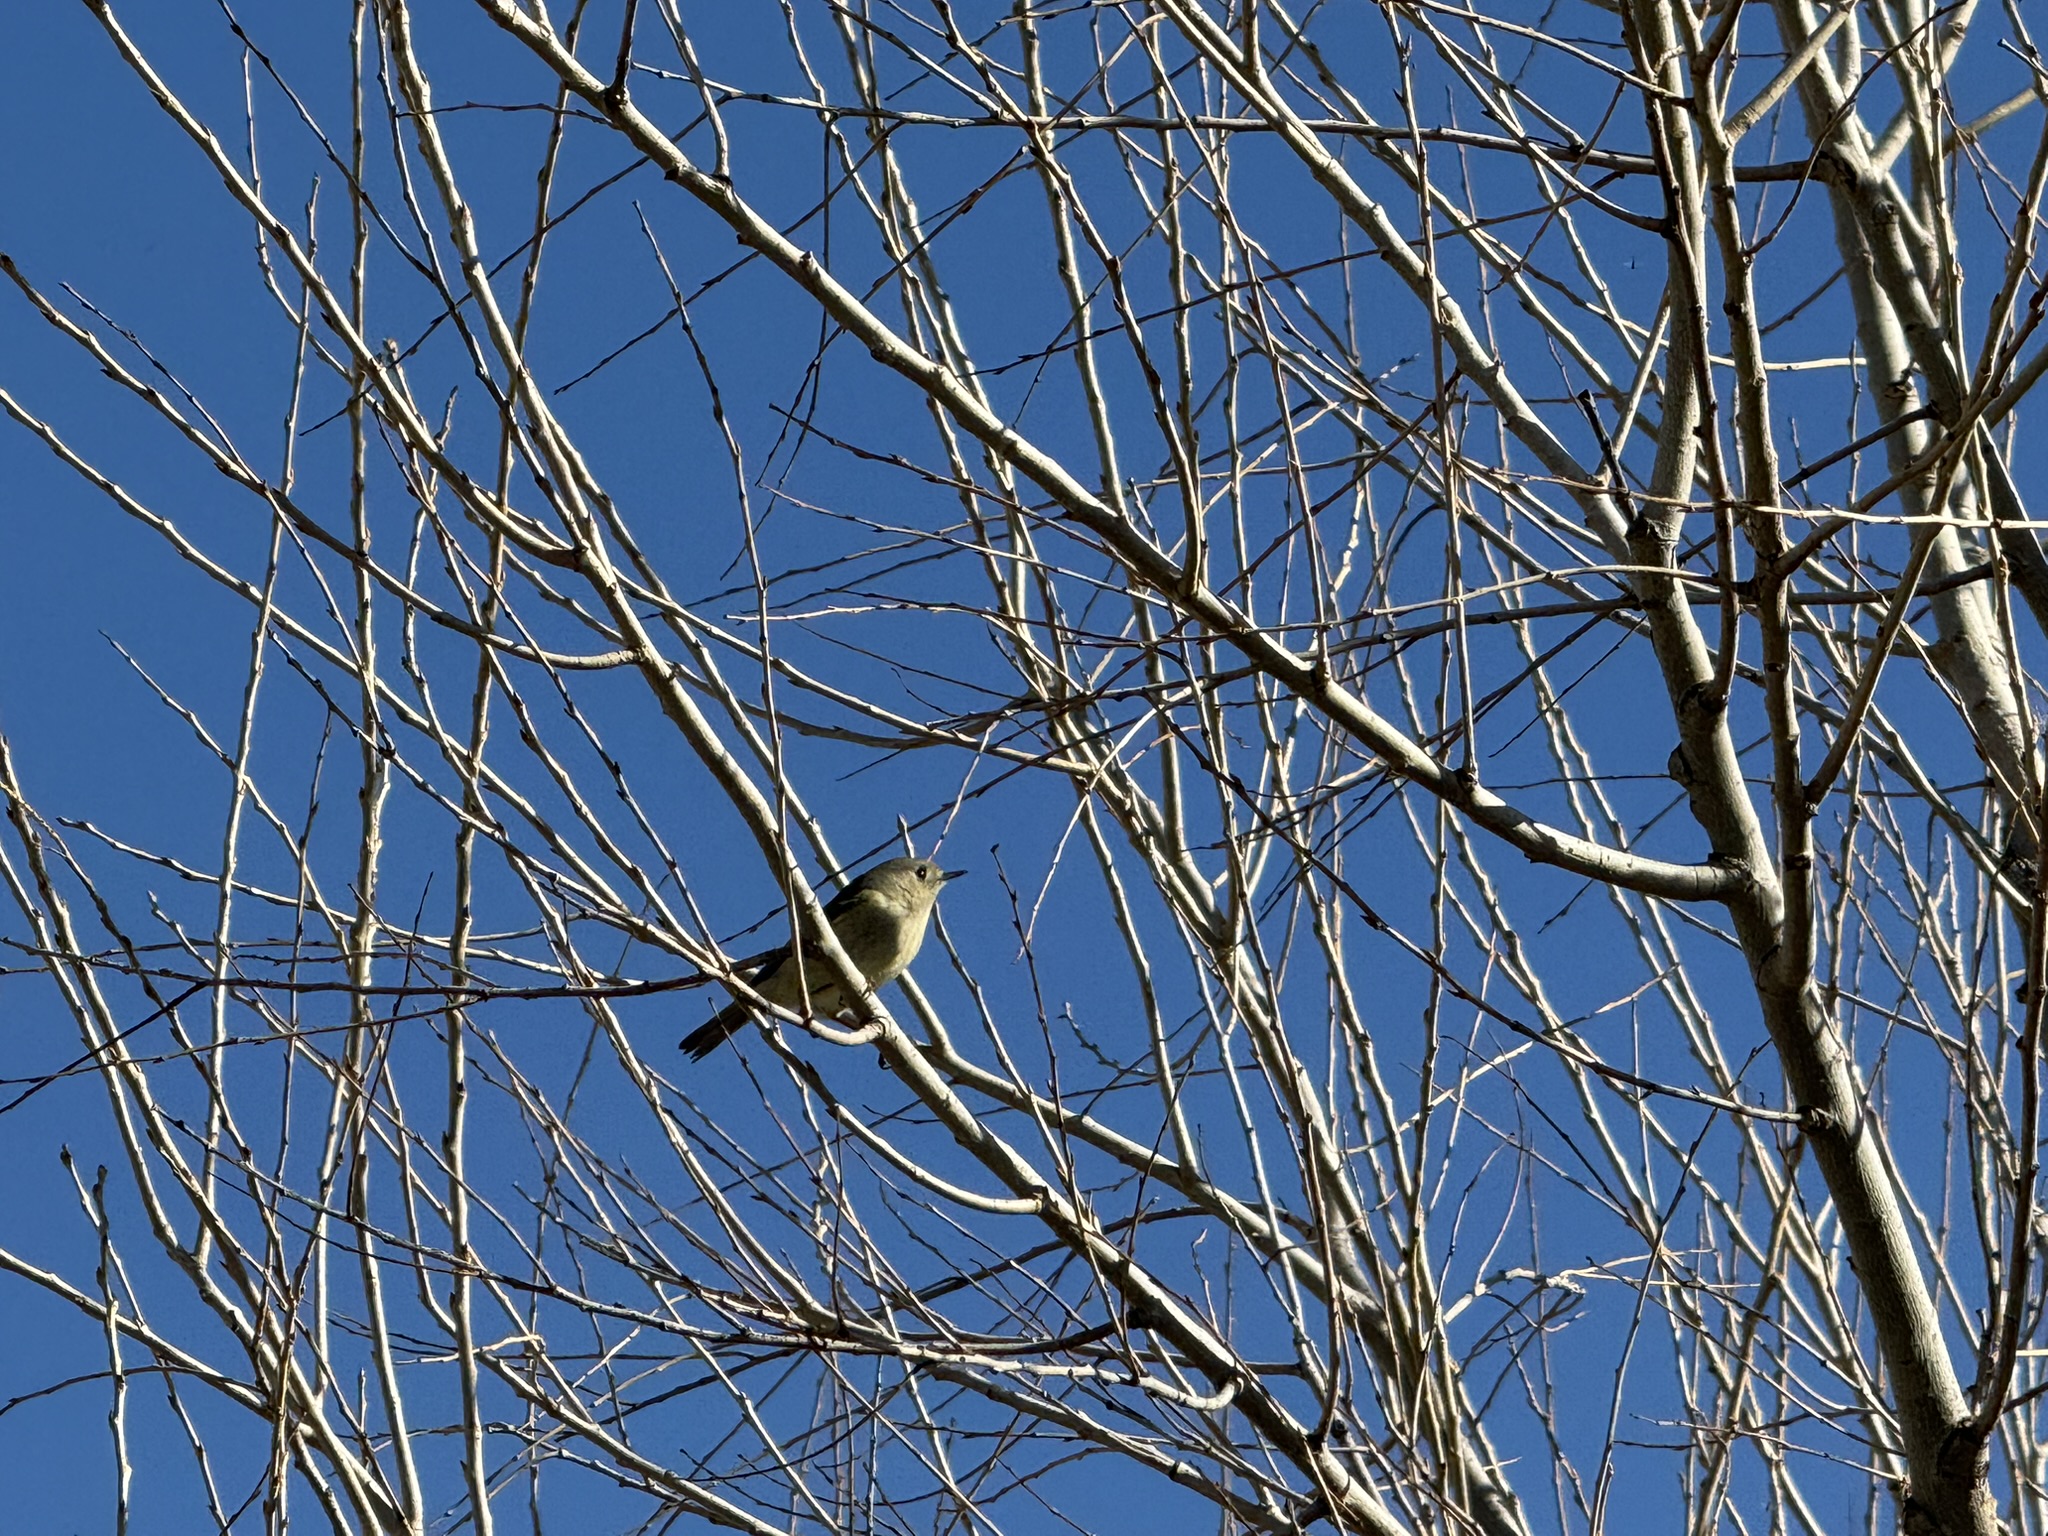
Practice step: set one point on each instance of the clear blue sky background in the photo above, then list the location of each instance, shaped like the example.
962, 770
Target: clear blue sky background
96, 192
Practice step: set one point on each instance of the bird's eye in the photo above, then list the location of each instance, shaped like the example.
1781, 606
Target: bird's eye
924, 871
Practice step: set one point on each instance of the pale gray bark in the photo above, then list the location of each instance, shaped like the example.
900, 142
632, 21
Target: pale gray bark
1473, 648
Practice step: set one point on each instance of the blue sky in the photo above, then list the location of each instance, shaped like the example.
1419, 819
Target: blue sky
100, 195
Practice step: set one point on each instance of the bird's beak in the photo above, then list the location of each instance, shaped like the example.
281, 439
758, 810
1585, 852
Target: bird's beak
954, 874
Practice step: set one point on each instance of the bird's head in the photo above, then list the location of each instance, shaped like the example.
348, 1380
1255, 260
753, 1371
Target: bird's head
909, 884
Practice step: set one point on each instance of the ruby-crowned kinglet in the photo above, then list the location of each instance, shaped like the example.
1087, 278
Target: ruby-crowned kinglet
879, 921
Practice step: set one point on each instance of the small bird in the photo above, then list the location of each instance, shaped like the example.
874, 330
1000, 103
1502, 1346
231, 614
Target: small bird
879, 920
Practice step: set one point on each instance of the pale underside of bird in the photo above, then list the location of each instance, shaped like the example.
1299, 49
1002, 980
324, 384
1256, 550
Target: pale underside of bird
880, 920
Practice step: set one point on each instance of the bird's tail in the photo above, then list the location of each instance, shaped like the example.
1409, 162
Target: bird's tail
715, 1031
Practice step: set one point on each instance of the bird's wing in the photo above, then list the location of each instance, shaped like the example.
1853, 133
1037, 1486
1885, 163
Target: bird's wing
757, 969
755, 966
839, 905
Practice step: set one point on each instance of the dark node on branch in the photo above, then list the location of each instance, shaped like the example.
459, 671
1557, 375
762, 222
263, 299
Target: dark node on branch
1962, 1454
1815, 1121
2019, 861
1142, 1317
1703, 698
1913, 1519
1317, 1508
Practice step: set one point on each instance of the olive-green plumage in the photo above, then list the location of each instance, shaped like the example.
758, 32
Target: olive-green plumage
879, 920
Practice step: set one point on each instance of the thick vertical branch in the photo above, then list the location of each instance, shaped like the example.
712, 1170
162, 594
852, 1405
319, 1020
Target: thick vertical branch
1323, 1079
